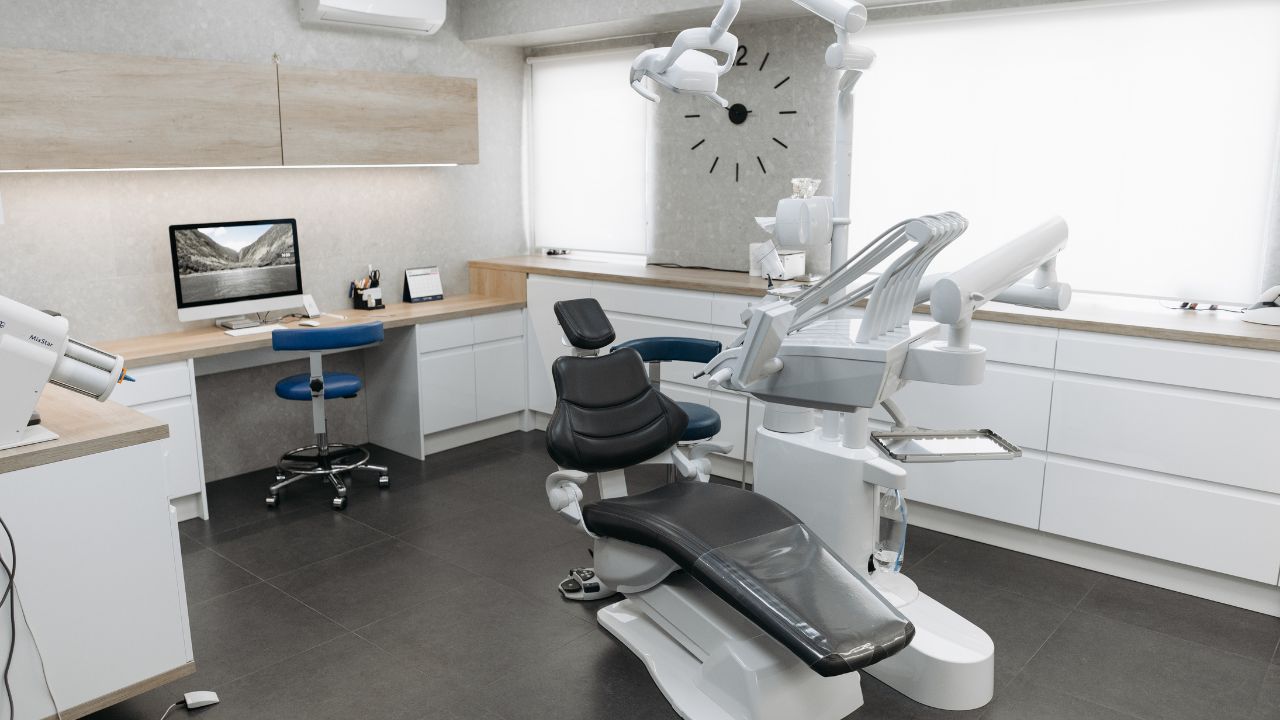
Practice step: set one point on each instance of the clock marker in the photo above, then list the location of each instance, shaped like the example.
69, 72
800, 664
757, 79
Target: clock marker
786, 112
736, 168
782, 82
766, 172
780, 142
765, 60
714, 163
693, 116
698, 144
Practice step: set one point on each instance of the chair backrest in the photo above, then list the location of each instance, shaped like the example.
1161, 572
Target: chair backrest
584, 323
327, 338
608, 416
670, 349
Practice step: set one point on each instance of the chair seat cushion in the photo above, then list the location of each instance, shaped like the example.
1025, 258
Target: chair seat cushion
766, 564
703, 422
336, 385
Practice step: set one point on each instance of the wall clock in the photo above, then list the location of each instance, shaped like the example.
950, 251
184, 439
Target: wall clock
738, 140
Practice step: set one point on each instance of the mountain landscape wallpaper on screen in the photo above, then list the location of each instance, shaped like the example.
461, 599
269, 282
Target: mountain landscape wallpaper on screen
209, 271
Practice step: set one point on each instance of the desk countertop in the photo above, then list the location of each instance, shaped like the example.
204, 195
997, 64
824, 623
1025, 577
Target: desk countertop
85, 427
1113, 315
208, 341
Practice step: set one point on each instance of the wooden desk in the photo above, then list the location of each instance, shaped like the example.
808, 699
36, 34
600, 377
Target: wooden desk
84, 427
209, 341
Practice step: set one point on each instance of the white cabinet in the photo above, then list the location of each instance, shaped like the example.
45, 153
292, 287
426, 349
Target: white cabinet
167, 393
500, 374
447, 389
544, 336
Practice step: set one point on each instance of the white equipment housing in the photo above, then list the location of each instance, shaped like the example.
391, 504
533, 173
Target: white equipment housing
421, 17
35, 351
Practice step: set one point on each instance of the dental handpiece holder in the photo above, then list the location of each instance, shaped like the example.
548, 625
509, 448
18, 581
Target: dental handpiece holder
35, 350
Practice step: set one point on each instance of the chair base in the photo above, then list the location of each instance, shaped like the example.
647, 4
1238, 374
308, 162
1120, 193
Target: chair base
713, 664
330, 462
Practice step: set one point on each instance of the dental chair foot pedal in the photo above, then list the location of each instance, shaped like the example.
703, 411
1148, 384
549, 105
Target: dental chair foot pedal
583, 585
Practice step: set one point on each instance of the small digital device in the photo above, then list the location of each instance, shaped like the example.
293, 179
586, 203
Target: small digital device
226, 269
310, 307
422, 284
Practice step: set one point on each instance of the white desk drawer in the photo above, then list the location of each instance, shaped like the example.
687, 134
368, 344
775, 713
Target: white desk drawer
1016, 344
498, 326
1234, 370
446, 334
154, 383
1004, 490
1221, 529
1011, 400
1227, 439
654, 302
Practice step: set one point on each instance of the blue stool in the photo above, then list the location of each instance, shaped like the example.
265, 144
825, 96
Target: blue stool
324, 459
704, 422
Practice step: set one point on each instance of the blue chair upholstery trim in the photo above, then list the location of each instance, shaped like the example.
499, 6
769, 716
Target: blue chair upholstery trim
327, 338
703, 422
336, 385
667, 349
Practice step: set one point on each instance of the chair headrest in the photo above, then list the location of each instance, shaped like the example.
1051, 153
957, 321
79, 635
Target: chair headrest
584, 323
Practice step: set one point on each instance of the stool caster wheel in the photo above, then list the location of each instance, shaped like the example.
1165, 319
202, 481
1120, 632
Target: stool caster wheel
339, 503
280, 477
273, 501
384, 482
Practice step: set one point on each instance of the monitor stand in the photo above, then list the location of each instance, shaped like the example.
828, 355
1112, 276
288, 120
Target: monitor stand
238, 323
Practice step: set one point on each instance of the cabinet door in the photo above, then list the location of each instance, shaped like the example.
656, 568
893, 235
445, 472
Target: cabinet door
499, 378
447, 381
544, 334
184, 474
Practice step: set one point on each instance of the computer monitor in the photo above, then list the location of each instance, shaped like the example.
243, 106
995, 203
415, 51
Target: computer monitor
233, 268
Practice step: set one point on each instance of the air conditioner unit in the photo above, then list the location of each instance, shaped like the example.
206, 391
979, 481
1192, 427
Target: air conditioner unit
422, 17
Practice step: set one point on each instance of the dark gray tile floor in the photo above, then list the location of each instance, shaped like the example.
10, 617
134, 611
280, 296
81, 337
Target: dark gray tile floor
436, 599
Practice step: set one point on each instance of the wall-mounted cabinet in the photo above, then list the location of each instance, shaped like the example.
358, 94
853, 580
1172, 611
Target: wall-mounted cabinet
355, 118
77, 110
61, 110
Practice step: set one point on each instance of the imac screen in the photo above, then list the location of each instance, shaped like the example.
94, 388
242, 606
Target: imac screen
235, 261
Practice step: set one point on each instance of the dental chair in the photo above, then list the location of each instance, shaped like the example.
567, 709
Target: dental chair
737, 608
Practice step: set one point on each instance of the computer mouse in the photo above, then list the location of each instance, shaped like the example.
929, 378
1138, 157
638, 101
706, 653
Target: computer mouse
309, 323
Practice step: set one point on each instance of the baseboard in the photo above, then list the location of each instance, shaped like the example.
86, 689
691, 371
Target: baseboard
1160, 573
188, 507
475, 432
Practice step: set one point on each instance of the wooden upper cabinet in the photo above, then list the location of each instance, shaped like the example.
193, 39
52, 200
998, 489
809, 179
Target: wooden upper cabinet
333, 117
63, 110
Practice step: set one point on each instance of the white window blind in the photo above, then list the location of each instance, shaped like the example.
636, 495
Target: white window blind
1150, 127
588, 153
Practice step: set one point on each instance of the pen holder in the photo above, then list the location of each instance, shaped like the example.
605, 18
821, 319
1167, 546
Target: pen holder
368, 299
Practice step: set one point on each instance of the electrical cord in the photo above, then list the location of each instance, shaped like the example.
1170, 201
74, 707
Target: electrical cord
171, 708
44, 673
678, 266
11, 571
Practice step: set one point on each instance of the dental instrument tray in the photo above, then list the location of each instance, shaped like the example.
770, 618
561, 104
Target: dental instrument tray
917, 445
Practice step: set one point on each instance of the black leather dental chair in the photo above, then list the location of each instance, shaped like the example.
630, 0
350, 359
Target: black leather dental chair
754, 555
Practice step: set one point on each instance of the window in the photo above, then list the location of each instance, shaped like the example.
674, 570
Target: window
1150, 127
589, 150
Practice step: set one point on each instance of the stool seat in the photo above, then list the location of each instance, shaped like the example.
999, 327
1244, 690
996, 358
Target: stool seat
336, 385
703, 422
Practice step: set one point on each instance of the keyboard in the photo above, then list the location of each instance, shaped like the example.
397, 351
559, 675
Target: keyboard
257, 330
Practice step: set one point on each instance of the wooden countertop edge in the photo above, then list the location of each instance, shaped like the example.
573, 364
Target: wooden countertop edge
134, 690
204, 344
1250, 339
61, 410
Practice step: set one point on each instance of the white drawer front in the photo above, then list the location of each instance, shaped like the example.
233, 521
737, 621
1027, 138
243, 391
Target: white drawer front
447, 382
445, 334
654, 302
500, 376
1012, 401
1247, 372
182, 447
154, 383
633, 328
1017, 344
1226, 439
498, 326
726, 310
1220, 529
1004, 490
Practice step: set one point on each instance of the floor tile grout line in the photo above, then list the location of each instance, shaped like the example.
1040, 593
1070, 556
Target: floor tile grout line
1171, 636
1050, 636
268, 666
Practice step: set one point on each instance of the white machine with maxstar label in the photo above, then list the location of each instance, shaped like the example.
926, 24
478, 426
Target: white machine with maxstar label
35, 351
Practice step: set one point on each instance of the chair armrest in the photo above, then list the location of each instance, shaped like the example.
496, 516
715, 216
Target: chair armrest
564, 492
